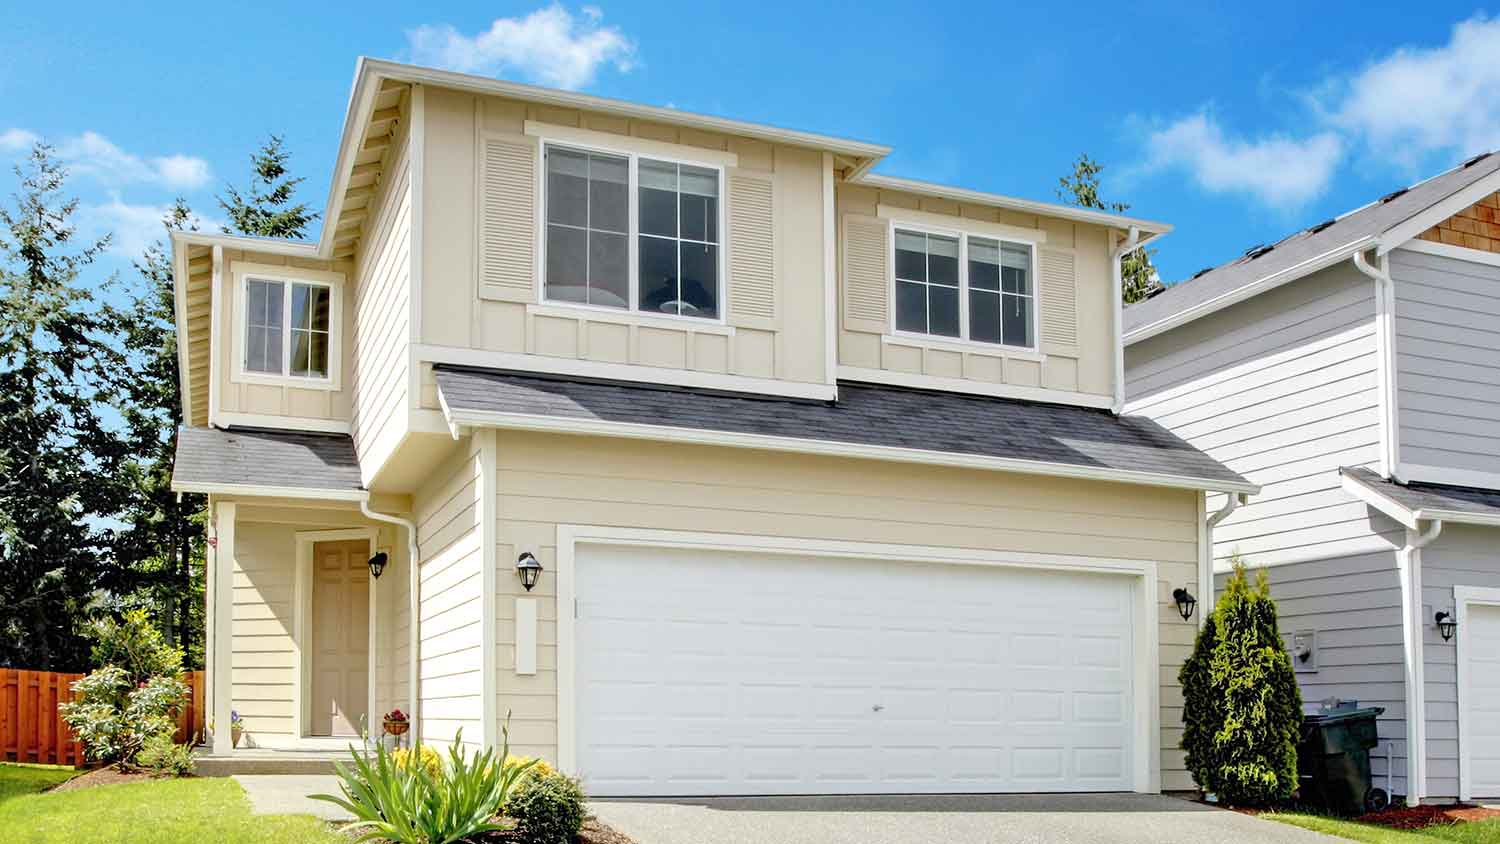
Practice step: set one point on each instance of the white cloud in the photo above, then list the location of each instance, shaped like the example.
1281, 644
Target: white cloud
550, 46
1279, 170
93, 155
1419, 101
132, 228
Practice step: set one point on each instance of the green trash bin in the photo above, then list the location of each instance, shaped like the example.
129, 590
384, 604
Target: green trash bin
1333, 760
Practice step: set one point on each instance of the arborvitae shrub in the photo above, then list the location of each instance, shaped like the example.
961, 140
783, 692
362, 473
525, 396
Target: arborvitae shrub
1242, 711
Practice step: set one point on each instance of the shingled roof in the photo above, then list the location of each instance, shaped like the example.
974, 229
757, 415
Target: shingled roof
867, 420
246, 459
1413, 502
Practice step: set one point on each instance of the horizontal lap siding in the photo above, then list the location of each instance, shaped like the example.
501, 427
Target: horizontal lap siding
1283, 389
1464, 555
1448, 360
264, 654
452, 607
544, 481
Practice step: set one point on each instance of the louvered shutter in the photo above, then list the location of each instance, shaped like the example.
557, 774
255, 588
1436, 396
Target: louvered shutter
1059, 299
865, 292
507, 220
752, 252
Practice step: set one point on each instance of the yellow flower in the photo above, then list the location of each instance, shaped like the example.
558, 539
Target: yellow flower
540, 769
430, 759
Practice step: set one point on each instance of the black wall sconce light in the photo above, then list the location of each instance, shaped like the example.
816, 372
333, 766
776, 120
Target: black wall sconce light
1186, 603
377, 564
1446, 624
528, 569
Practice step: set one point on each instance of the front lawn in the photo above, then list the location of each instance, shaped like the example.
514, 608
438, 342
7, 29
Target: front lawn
16, 780
181, 811
1481, 832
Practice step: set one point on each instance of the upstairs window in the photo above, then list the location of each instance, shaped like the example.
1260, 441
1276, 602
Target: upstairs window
632, 233
964, 286
287, 328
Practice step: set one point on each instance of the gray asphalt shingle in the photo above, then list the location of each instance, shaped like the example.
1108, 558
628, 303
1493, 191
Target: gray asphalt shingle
865, 414
1429, 497
261, 457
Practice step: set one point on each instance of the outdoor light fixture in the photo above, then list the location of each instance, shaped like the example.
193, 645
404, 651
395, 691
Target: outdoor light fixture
1185, 602
377, 564
1446, 624
528, 569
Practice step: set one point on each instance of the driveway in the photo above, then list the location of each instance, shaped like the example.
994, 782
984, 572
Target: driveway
951, 819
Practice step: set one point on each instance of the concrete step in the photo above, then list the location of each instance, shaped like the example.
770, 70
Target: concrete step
221, 766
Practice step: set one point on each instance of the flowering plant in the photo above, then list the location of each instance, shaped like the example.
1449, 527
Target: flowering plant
395, 715
235, 720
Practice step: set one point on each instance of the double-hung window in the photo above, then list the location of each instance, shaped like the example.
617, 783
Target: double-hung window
288, 329
631, 232
965, 286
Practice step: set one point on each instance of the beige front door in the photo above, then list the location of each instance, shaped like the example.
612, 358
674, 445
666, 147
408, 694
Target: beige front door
340, 644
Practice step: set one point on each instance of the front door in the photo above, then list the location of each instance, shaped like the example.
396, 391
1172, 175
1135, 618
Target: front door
340, 643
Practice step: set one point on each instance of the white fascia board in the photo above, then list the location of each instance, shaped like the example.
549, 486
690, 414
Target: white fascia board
1397, 235
271, 491
1252, 289
265, 245
356, 118
179, 313
594, 427
1386, 505
1046, 209
1456, 517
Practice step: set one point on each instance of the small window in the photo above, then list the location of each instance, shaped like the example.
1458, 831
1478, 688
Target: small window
679, 239
927, 283
588, 228
1000, 297
287, 328
986, 295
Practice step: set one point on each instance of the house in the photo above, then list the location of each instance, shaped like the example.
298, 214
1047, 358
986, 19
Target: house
703, 458
1352, 370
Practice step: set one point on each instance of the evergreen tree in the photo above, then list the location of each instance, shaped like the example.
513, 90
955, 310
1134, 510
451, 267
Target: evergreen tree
1242, 710
1081, 188
270, 209
58, 461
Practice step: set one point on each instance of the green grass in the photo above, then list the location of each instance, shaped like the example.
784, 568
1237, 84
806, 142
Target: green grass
16, 780
1483, 832
182, 811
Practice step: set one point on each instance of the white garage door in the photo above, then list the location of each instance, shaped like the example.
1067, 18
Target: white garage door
707, 672
1482, 699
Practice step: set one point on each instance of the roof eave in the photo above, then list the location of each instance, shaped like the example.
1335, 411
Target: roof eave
1047, 209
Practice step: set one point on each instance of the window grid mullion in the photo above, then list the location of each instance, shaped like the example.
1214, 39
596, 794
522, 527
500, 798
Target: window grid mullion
286, 329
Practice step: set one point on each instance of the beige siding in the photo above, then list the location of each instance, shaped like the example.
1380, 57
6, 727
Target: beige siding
451, 581
543, 481
1072, 280
775, 313
264, 653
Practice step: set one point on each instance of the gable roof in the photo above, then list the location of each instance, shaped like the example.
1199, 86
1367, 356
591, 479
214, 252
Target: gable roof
1384, 225
867, 421
260, 461
1414, 502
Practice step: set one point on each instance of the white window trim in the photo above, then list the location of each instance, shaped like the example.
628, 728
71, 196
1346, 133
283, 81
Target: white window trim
633, 245
334, 282
963, 342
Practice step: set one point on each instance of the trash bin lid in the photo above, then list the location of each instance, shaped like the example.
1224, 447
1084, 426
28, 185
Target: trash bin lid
1326, 718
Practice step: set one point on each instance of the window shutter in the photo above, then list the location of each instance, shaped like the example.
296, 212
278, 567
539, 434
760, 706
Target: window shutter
865, 288
1059, 298
752, 251
507, 220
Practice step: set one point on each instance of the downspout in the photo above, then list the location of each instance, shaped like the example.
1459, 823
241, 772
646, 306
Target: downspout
1117, 279
1385, 357
1409, 564
414, 640
1232, 501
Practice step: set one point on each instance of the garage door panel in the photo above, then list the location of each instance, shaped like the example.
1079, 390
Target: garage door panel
737, 673
1481, 699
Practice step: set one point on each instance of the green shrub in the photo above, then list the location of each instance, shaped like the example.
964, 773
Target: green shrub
1242, 711
406, 804
114, 716
164, 757
547, 808
134, 644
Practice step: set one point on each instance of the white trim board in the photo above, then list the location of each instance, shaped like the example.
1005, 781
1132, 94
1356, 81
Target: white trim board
1463, 597
1398, 235
261, 491
1146, 624
977, 388
1448, 250
229, 418
301, 614
1408, 517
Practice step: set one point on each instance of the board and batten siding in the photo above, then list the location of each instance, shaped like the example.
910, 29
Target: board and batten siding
1464, 555
547, 480
1283, 389
451, 577
382, 307
1447, 362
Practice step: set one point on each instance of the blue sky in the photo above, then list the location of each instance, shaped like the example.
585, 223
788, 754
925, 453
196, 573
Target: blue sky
1237, 123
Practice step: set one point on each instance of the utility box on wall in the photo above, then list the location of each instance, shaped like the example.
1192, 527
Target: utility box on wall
1304, 650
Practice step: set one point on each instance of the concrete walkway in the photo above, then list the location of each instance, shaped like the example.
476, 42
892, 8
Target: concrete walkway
286, 794
982, 819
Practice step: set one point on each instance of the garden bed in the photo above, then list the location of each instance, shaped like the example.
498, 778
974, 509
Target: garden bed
1419, 817
102, 776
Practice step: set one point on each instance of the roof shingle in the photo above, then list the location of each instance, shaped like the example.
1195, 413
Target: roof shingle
266, 458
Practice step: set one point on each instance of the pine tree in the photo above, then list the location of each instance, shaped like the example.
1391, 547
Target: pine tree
58, 460
1242, 710
270, 210
1081, 188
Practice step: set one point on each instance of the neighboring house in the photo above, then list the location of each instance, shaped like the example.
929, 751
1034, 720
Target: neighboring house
1352, 370
822, 469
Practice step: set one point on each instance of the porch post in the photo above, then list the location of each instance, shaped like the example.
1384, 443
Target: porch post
223, 563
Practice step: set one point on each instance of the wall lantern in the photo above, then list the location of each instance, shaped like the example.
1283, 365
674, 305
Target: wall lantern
1446, 624
528, 569
377, 564
1185, 602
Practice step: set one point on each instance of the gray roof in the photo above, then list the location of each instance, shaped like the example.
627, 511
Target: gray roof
1369, 221
865, 415
258, 457
1432, 501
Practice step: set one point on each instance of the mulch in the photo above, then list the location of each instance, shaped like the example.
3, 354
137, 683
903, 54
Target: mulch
1417, 817
101, 776
593, 832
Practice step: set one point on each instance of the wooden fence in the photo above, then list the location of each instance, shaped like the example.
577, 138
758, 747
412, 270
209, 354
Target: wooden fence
31, 730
